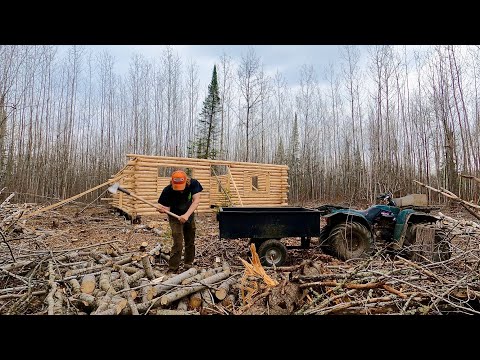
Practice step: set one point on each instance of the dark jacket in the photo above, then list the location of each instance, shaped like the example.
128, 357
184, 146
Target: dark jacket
180, 201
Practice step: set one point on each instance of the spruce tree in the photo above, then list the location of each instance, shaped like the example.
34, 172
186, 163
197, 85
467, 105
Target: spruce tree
208, 122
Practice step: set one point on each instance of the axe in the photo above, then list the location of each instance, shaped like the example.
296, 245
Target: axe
116, 187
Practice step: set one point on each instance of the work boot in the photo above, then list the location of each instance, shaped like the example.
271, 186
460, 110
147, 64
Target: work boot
187, 266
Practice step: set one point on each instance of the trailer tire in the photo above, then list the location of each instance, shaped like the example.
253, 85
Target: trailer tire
272, 252
349, 240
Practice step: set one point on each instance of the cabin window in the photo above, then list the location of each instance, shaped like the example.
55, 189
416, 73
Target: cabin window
256, 183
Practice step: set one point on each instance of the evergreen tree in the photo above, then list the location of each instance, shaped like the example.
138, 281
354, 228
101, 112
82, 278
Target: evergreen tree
208, 122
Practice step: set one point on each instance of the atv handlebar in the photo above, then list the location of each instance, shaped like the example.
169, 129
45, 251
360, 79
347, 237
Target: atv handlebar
387, 198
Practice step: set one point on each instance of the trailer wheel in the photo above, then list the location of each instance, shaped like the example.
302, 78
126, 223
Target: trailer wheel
272, 252
349, 240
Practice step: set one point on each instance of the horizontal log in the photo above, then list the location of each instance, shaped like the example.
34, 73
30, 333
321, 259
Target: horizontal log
16, 265
178, 294
118, 284
112, 310
175, 280
175, 312
86, 299
202, 276
195, 161
222, 291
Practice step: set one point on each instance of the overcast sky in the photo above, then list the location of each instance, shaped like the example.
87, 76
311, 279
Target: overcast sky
285, 58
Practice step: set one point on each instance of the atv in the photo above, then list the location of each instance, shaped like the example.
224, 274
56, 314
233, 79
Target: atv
406, 229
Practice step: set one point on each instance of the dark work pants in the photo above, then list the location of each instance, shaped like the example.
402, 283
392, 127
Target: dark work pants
180, 233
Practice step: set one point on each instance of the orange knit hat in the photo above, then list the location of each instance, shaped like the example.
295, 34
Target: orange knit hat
179, 180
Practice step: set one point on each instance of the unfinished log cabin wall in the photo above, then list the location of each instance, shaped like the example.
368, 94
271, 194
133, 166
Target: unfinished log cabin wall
225, 183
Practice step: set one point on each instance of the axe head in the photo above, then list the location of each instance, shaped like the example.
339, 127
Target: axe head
113, 189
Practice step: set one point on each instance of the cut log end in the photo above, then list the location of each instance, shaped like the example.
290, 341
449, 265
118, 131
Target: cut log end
221, 293
88, 284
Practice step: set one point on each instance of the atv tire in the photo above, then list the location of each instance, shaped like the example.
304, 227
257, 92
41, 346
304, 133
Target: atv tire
350, 240
324, 240
441, 245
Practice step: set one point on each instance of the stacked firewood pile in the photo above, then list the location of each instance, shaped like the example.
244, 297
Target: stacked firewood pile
113, 277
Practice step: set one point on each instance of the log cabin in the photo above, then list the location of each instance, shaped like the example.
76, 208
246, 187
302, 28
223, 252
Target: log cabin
225, 183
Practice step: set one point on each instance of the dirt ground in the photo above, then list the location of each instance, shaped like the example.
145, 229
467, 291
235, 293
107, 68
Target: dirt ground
100, 224
73, 225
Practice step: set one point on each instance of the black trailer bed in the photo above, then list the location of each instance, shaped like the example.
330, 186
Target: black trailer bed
268, 222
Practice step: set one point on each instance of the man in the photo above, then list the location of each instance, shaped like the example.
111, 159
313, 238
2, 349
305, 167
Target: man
181, 197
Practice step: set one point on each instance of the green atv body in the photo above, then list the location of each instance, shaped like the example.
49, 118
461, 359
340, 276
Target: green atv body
351, 233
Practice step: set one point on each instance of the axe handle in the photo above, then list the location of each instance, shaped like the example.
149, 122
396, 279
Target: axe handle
157, 206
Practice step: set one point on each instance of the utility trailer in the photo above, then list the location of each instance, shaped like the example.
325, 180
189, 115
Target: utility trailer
267, 226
